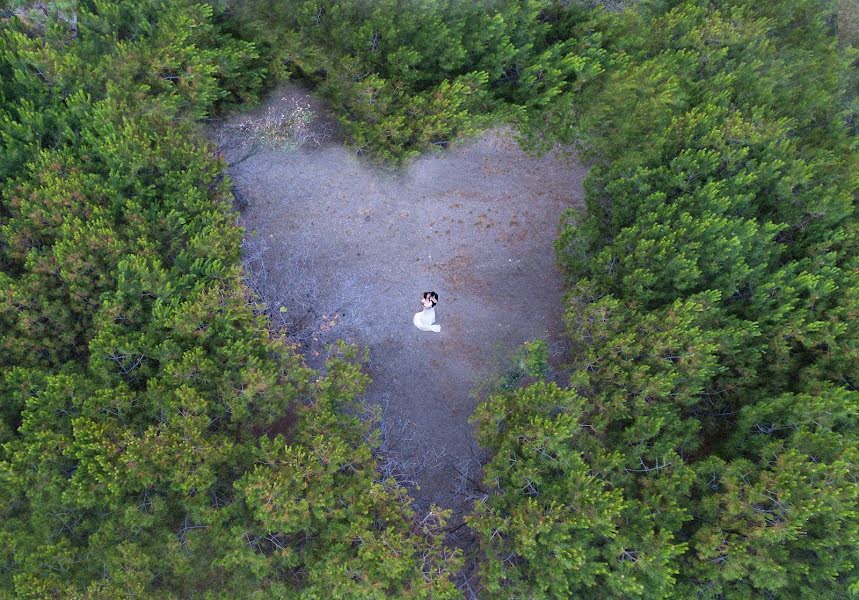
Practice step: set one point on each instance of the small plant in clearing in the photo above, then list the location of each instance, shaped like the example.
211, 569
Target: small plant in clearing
285, 128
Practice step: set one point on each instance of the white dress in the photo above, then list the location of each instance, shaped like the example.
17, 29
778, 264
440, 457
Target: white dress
425, 320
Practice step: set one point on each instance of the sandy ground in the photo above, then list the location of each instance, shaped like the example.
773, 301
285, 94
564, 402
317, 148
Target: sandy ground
474, 223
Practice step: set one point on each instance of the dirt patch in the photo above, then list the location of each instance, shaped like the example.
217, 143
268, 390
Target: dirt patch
475, 224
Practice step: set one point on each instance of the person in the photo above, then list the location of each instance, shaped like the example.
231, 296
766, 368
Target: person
425, 320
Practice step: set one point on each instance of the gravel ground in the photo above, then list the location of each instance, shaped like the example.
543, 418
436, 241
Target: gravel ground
348, 248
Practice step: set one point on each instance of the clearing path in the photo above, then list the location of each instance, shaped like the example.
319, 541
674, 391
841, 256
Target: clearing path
348, 248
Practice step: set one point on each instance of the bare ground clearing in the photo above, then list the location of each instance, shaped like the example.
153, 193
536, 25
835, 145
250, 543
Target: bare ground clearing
348, 248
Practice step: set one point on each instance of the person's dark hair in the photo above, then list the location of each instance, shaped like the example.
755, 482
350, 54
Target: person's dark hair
432, 297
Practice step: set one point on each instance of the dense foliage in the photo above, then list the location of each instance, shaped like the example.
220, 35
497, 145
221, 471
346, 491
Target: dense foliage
707, 446
155, 440
408, 75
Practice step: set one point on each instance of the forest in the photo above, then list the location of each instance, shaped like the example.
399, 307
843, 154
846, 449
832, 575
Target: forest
161, 437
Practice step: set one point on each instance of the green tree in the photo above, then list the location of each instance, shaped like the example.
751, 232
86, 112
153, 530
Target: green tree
711, 305
148, 412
